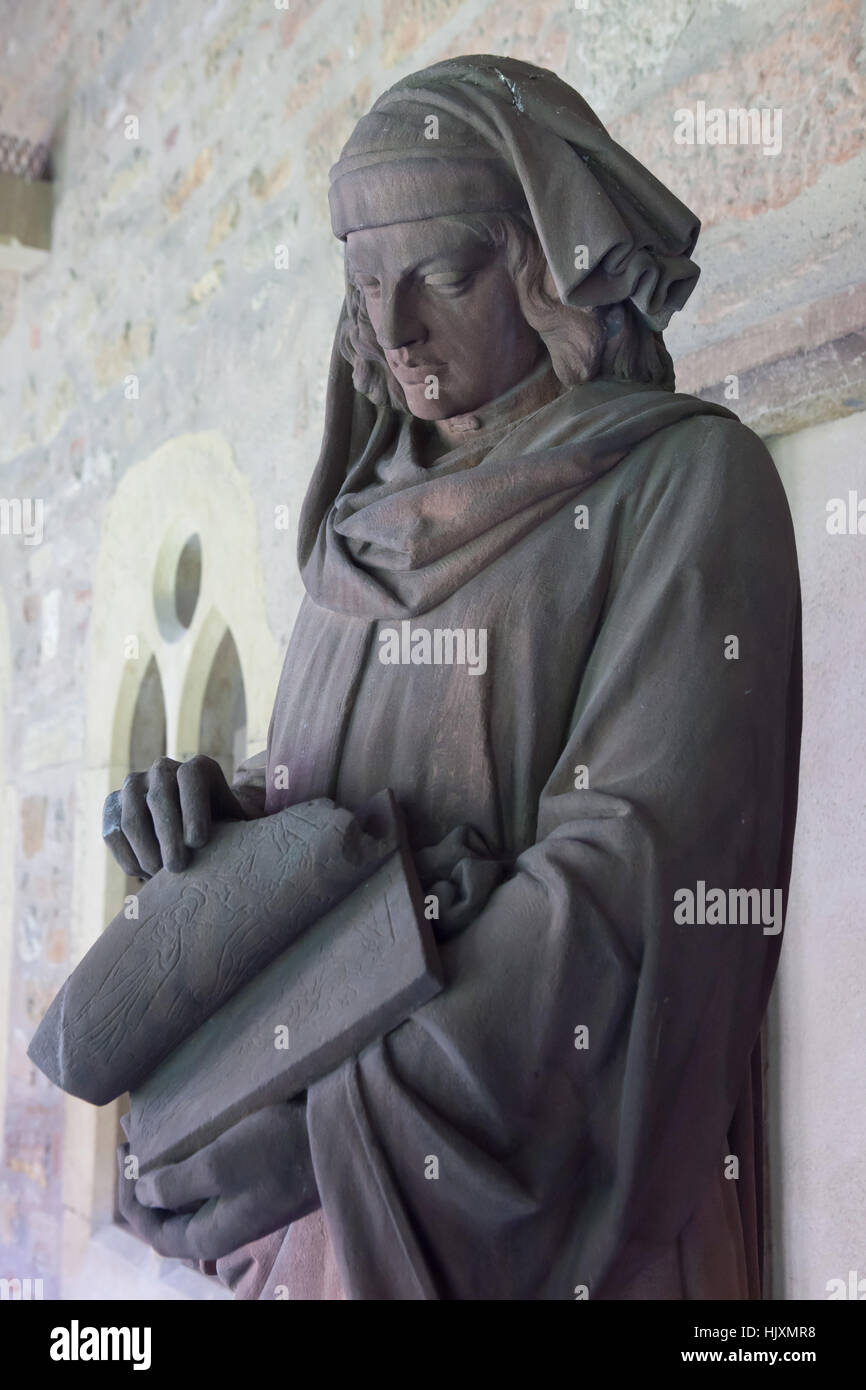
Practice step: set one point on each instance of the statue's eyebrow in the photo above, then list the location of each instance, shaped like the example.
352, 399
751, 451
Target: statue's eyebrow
460, 252
354, 269
468, 248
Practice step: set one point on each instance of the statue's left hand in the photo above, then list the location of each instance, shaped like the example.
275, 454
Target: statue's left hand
252, 1180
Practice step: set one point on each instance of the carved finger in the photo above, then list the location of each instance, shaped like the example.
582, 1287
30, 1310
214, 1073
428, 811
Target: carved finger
163, 802
221, 1227
136, 822
194, 781
115, 840
178, 1185
181, 1238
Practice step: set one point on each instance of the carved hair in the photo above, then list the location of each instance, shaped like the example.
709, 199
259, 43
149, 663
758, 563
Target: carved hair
610, 341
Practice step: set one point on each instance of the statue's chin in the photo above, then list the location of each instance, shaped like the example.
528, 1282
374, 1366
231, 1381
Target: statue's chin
445, 408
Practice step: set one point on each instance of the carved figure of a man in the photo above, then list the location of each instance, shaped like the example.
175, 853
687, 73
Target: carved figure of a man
554, 607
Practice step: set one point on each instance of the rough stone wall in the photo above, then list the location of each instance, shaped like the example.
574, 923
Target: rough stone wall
161, 311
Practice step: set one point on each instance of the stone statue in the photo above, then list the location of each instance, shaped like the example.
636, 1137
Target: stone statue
553, 606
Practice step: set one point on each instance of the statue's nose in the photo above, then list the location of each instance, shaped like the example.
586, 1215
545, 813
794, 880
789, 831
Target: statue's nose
399, 326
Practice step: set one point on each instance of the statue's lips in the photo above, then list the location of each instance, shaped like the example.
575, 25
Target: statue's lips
416, 375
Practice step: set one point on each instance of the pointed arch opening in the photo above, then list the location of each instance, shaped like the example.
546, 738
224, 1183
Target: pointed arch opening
223, 724
147, 734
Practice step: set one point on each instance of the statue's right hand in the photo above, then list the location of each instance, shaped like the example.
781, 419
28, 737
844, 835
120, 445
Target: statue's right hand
158, 816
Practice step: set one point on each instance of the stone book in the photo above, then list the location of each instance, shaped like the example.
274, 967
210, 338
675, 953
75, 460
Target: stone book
358, 973
149, 983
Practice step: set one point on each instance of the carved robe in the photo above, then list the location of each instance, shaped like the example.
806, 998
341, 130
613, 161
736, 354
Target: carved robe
560, 1120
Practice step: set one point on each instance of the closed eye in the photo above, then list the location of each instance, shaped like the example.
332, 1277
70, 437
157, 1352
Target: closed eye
449, 282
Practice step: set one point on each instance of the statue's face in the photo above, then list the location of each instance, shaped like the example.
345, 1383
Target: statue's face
445, 313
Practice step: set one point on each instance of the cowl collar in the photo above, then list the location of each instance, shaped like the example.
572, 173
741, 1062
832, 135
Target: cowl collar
376, 545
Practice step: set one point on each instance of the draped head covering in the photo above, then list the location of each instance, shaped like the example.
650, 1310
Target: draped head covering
482, 133
506, 135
